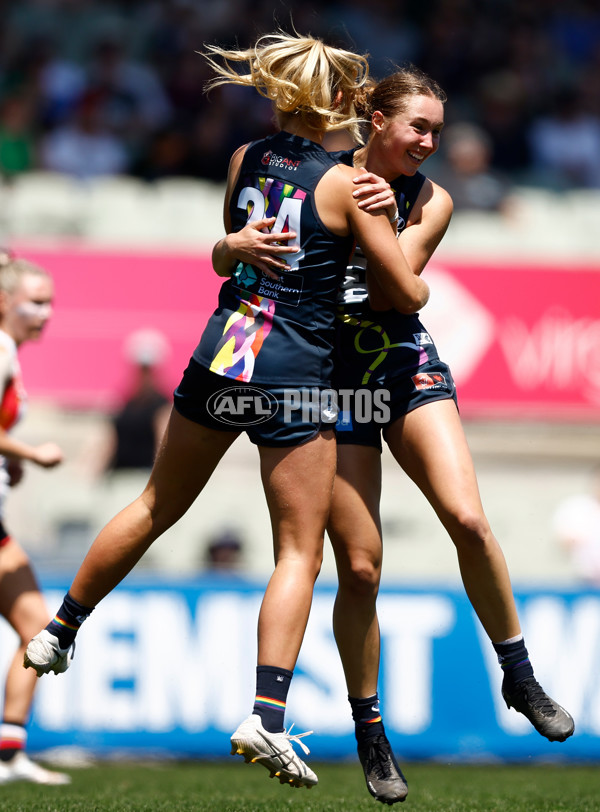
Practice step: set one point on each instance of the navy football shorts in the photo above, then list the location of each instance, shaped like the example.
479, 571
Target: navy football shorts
270, 416
366, 412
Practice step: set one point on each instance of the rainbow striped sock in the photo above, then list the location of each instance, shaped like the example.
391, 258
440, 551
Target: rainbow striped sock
67, 620
367, 716
272, 686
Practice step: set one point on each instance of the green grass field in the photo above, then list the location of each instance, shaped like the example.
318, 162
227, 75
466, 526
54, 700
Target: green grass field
237, 787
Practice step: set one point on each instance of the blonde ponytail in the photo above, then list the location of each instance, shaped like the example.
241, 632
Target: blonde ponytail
302, 76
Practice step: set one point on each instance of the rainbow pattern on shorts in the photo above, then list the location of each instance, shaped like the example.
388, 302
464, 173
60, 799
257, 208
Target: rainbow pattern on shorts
243, 337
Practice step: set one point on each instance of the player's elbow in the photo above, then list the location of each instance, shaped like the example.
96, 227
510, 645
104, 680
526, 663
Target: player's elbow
410, 302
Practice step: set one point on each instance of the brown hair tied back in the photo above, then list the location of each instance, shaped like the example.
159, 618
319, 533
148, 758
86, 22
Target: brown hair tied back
363, 99
391, 94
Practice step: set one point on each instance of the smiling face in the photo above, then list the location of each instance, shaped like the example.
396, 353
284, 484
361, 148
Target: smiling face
400, 143
25, 311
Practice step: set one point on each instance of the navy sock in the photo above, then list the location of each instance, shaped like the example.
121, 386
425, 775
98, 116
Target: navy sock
514, 659
67, 621
367, 718
272, 686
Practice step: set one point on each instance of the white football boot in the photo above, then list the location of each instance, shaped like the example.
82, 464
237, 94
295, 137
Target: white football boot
43, 654
22, 768
274, 751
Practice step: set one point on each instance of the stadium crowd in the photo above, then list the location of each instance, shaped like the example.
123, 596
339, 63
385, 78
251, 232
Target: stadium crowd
99, 87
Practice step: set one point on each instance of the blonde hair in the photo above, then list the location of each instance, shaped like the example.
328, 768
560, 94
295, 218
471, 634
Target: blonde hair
13, 269
302, 76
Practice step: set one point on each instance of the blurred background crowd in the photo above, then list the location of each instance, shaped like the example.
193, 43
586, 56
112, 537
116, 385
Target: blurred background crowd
100, 87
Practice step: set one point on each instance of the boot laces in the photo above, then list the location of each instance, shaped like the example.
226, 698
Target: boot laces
538, 699
378, 759
295, 737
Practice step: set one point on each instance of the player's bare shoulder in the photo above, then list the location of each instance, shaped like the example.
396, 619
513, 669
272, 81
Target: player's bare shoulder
433, 204
235, 162
442, 200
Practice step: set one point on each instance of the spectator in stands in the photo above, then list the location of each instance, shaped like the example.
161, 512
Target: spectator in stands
84, 146
577, 528
166, 155
224, 552
384, 28
135, 428
133, 98
206, 159
502, 110
140, 422
145, 52
565, 143
54, 81
17, 141
466, 172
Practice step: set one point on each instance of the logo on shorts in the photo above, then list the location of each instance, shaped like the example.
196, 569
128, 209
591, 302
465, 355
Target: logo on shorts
242, 406
425, 380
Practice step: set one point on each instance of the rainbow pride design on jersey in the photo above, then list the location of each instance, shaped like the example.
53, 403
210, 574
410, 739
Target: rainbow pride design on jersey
247, 329
243, 336
275, 191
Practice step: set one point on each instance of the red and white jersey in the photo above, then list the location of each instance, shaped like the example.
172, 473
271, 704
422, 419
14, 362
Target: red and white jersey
13, 402
14, 397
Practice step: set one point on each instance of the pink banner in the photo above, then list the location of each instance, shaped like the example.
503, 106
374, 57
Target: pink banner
522, 340
102, 297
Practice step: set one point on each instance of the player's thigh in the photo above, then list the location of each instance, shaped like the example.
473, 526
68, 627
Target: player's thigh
354, 525
430, 445
298, 483
188, 455
21, 601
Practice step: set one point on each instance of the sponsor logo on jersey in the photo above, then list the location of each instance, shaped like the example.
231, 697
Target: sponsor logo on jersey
279, 161
425, 380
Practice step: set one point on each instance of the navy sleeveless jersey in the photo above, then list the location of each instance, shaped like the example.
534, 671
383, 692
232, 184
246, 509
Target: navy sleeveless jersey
280, 332
373, 346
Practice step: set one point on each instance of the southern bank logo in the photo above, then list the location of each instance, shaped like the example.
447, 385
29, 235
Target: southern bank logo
242, 406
